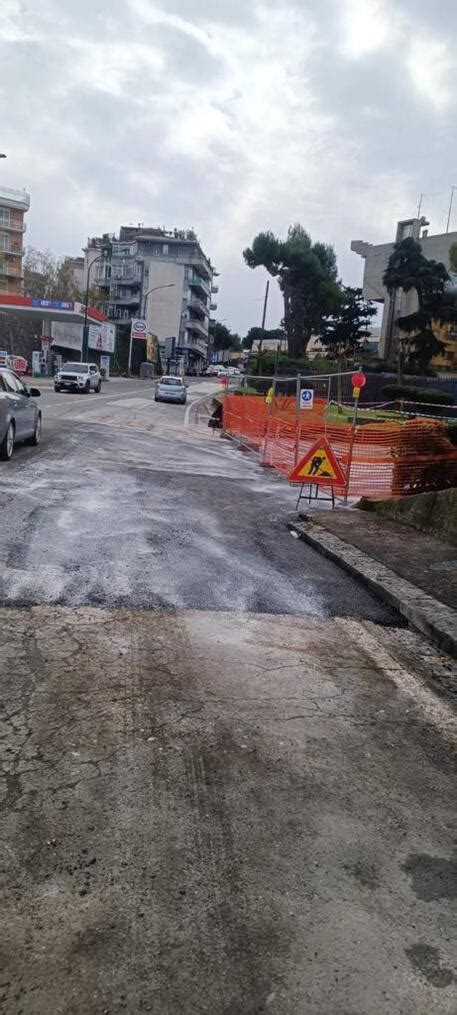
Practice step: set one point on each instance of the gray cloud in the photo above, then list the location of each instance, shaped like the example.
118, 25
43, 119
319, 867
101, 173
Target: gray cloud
231, 118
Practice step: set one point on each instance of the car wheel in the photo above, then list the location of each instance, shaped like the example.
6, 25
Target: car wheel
87, 388
36, 436
98, 388
7, 444
57, 388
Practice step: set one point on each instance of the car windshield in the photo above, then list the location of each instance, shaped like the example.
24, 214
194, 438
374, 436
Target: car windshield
80, 368
172, 382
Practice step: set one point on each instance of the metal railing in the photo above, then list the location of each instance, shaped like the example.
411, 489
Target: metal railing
20, 196
197, 280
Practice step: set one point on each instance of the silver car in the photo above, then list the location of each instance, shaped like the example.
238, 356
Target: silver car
171, 389
20, 417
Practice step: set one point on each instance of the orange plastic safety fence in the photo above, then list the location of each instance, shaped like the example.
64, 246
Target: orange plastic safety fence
382, 459
245, 417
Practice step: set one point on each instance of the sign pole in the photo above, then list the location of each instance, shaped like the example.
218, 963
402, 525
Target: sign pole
130, 352
351, 449
297, 419
358, 382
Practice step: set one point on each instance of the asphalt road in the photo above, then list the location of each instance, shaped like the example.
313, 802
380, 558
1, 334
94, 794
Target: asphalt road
226, 787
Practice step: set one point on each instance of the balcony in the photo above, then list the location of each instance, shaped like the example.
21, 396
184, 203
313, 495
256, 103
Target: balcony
198, 305
108, 274
12, 227
197, 327
196, 345
200, 283
128, 275
11, 251
215, 289
9, 270
118, 313
14, 198
126, 301
213, 306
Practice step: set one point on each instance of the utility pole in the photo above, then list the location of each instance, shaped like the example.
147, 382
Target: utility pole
265, 303
453, 189
264, 317
419, 208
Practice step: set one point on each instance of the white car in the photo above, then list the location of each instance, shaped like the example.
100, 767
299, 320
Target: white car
83, 377
171, 389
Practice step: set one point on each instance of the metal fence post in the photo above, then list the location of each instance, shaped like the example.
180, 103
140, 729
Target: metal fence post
297, 419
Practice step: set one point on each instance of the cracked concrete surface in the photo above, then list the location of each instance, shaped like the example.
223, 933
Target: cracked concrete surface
224, 813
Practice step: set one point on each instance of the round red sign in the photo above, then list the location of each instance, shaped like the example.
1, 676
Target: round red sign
358, 380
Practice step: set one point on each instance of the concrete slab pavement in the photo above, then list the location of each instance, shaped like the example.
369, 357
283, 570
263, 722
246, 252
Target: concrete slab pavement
222, 813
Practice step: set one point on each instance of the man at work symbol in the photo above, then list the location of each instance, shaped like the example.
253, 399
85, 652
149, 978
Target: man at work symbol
315, 465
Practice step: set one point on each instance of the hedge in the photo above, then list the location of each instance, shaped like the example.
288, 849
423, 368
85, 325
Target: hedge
408, 393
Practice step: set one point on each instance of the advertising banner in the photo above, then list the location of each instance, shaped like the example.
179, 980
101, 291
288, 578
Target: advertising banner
151, 347
102, 337
69, 336
94, 338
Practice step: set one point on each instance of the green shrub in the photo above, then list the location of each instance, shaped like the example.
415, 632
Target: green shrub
248, 391
432, 395
409, 393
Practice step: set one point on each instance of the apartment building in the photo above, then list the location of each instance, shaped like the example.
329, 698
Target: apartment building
13, 205
163, 277
78, 267
376, 258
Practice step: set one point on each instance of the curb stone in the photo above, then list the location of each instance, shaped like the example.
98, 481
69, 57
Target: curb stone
432, 618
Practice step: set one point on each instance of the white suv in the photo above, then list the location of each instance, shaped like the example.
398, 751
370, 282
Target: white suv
84, 377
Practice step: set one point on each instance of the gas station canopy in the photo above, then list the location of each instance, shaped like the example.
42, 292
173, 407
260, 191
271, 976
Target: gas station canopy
50, 310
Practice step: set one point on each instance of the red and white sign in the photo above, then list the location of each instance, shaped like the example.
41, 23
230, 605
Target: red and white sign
18, 364
358, 380
319, 466
139, 328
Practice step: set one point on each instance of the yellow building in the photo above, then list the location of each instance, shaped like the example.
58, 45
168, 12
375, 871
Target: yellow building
447, 359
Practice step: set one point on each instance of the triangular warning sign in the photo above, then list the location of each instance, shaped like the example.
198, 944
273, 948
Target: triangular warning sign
319, 466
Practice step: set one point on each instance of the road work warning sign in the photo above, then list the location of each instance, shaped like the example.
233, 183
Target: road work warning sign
319, 466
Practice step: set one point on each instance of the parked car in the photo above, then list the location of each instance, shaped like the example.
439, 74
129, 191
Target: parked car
83, 377
20, 417
233, 372
171, 389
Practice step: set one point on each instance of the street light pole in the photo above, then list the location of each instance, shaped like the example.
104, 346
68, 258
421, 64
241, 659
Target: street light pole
453, 189
168, 285
85, 341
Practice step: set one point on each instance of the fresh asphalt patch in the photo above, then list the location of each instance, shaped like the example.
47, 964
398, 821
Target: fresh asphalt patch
114, 518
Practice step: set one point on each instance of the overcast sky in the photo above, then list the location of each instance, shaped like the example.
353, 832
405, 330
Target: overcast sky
231, 116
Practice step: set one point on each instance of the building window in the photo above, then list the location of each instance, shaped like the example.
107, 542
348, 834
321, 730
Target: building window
165, 249
3, 242
5, 216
